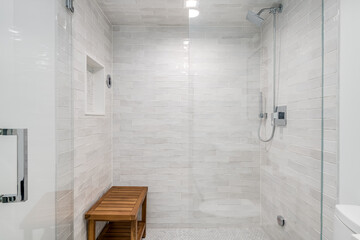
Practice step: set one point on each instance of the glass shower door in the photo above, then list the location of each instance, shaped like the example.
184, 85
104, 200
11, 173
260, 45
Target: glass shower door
237, 181
224, 77
27, 102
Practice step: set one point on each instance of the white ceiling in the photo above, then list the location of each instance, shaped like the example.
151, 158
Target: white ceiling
172, 12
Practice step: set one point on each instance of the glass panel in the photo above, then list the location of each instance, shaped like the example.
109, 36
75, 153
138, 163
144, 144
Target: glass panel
64, 124
187, 115
238, 181
225, 77
151, 108
332, 42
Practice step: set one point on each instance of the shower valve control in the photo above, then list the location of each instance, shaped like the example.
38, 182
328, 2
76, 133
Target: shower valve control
279, 116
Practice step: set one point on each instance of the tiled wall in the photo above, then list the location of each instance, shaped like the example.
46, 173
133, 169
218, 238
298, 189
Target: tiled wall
151, 117
64, 125
92, 35
188, 133
291, 163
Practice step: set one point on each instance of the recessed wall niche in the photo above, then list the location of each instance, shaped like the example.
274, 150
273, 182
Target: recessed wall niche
95, 87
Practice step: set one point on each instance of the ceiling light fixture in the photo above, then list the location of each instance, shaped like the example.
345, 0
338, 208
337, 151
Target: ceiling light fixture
193, 13
191, 3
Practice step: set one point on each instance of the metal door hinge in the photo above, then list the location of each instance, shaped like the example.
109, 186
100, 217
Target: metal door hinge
70, 5
7, 198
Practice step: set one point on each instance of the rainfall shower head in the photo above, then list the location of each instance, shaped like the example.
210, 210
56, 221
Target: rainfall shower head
256, 19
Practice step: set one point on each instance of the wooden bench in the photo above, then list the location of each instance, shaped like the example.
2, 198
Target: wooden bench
120, 207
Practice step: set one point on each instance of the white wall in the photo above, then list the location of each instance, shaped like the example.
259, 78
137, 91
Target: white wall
27, 59
349, 173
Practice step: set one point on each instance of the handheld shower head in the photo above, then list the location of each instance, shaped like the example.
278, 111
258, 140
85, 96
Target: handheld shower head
255, 18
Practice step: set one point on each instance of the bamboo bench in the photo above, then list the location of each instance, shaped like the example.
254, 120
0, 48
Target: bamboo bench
120, 208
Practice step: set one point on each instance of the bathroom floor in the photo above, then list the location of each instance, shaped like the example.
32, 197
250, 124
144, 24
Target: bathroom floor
206, 234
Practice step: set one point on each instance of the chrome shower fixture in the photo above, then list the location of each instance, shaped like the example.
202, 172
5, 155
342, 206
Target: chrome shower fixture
70, 5
278, 116
256, 18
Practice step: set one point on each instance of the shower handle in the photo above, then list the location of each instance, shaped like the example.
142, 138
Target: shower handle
262, 115
70, 5
22, 166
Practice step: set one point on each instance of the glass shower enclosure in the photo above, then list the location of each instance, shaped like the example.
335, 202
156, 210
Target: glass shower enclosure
252, 79
219, 84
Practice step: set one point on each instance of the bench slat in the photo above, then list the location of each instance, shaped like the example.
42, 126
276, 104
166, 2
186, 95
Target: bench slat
118, 204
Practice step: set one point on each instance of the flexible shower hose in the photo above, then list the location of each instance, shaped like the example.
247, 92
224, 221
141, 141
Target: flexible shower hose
272, 133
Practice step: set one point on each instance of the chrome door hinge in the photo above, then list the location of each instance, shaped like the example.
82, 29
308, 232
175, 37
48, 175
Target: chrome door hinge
70, 5
7, 198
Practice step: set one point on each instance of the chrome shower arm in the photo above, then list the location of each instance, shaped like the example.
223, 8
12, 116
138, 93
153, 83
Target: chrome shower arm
264, 9
274, 9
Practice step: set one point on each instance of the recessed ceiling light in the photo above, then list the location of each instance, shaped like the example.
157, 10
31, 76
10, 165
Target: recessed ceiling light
193, 13
191, 3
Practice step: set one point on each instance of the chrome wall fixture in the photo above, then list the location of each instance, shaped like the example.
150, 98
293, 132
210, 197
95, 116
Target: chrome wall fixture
70, 5
281, 221
108, 81
22, 166
279, 117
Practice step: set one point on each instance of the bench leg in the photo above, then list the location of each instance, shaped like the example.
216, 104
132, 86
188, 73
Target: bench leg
134, 230
91, 230
143, 215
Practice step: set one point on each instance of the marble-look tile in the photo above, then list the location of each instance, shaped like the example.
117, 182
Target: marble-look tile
185, 122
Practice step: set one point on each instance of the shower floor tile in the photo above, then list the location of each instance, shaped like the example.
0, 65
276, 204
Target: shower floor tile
206, 234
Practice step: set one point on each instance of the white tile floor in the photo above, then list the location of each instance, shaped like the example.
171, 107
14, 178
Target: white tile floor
206, 234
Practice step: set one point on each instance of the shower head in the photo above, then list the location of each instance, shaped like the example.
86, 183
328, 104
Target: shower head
255, 18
